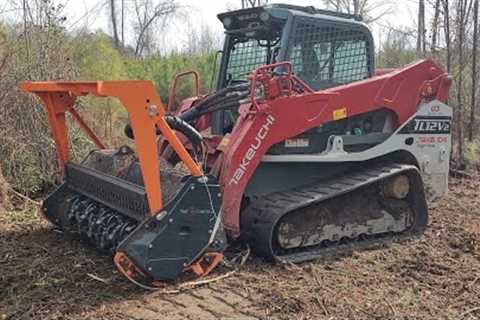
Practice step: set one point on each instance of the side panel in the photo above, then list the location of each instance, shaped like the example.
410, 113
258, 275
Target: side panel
431, 132
426, 136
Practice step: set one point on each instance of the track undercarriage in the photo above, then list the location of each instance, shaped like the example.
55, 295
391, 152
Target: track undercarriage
356, 210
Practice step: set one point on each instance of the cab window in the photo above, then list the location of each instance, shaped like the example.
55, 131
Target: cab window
327, 56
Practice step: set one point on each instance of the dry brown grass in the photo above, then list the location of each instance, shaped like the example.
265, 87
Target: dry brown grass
45, 275
4, 198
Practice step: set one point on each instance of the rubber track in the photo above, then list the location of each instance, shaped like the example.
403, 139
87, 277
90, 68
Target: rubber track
260, 217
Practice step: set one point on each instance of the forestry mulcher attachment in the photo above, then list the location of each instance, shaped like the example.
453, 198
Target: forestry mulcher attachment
304, 150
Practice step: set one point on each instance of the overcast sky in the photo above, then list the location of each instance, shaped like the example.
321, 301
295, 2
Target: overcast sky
93, 15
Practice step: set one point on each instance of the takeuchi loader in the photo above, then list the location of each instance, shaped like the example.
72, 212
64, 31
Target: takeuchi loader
303, 150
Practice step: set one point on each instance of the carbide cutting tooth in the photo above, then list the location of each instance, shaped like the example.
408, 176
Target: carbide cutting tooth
104, 227
105, 243
92, 218
114, 235
123, 232
74, 201
99, 223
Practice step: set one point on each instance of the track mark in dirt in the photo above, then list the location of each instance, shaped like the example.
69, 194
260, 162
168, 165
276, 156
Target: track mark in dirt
175, 301
213, 312
229, 301
203, 303
196, 295
218, 307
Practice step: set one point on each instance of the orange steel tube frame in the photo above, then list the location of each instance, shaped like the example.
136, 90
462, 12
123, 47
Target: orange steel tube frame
173, 90
145, 111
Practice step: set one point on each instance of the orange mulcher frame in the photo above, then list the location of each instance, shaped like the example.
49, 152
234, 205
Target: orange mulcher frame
145, 110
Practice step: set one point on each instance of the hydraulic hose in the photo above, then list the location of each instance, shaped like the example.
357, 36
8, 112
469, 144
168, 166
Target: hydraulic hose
212, 99
197, 111
225, 98
179, 125
188, 131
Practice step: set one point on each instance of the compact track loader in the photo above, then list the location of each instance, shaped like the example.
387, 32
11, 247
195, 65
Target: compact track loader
303, 150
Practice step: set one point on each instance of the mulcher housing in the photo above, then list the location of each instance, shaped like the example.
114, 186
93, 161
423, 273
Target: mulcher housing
115, 198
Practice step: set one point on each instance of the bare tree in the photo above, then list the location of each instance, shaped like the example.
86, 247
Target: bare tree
371, 11
474, 72
446, 27
435, 24
148, 12
421, 29
202, 39
25, 27
397, 49
123, 23
113, 20
356, 7
463, 9
26, 151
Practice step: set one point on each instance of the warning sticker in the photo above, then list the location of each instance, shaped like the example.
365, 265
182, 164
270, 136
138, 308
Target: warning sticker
297, 143
339, 114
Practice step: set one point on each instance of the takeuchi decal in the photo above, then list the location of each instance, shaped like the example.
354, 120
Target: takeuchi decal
252, 150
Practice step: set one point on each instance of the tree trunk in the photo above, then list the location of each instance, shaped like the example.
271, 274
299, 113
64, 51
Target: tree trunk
25, 29
123, 23
421, 29
446, 26
474, 72
113, 17
356, 7
460, 39
436, 17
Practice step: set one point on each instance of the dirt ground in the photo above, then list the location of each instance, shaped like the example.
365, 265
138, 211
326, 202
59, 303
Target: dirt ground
46, 275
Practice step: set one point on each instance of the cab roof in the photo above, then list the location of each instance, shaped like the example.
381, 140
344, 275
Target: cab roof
283, 11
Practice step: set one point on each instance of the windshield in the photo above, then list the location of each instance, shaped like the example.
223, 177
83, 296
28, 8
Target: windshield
246, 54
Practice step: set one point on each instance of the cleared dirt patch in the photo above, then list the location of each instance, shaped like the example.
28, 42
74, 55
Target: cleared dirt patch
47, 275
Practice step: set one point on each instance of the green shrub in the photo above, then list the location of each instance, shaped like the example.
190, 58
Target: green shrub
27, 151
472, 153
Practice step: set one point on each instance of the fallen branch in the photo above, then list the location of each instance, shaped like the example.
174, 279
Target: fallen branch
469, 311
24, 197
473, 282
94, 277
193, 284
322, 305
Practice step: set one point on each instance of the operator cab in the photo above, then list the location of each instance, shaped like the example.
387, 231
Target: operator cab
326, 48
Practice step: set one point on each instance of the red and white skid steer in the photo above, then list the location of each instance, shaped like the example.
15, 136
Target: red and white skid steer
303, 150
